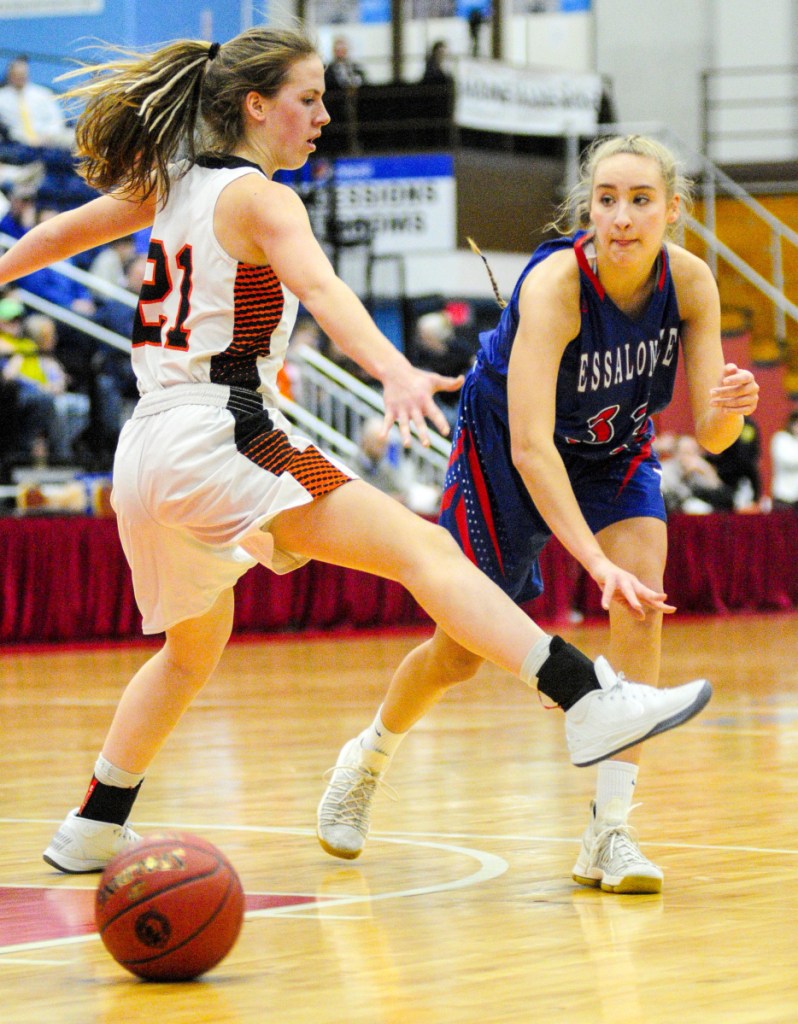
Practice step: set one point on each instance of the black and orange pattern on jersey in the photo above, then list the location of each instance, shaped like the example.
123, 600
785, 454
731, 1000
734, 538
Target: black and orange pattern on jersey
264, 444
259, 302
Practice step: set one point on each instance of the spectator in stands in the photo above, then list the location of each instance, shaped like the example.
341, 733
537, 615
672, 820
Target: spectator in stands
110, 264
32, 113
691, 483
439, 98
34, 409
114, 381
343, 74
435, 69
475, 20
43, 367
738, 467
437, 346
343, 77
22, 211
29, 174
664, 444
784, 462
75, 347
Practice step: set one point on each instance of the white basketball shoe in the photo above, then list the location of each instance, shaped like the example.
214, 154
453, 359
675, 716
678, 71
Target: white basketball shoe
345, 809
610, 857
81, 845
621, 714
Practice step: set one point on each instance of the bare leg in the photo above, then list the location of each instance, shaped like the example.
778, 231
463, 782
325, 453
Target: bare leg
423, 677
609, 856
162, 689
361, 528
639, 545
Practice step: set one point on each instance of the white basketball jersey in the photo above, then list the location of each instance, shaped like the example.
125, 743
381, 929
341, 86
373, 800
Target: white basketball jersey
203, 317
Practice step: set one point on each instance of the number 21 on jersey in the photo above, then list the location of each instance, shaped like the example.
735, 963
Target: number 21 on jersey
159, 283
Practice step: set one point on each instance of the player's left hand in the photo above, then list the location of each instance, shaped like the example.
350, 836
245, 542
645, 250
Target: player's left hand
738, 391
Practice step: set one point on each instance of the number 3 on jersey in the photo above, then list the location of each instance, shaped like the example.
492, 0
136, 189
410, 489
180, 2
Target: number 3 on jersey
148, 322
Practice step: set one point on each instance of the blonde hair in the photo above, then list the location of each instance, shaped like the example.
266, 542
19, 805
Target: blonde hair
574, 212
144, 110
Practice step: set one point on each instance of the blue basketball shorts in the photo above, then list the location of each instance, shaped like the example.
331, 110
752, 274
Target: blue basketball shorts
487, 508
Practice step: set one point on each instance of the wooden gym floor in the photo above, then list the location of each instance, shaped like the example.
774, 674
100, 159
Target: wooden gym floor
462, 908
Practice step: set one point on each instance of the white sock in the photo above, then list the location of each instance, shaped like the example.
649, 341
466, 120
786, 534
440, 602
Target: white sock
615, 780
110, 775
380, 739
535, 660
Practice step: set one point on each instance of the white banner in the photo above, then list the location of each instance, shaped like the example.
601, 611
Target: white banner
48, 8
407, 203
498, 98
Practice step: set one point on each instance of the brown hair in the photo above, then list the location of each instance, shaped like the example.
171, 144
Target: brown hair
574, 212
144, 110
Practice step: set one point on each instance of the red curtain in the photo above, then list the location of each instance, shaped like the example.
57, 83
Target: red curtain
65, 579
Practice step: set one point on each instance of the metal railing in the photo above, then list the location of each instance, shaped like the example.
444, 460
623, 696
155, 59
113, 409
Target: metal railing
336, 398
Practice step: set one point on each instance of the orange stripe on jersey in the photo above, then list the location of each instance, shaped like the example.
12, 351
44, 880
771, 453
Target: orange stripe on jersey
260, 441
258, 308
274, 452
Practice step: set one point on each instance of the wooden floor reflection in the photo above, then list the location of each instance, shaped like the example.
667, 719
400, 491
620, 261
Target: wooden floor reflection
462, 909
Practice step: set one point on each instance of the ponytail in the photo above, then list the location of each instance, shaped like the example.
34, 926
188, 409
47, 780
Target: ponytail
140, 115
143, 111
475, 249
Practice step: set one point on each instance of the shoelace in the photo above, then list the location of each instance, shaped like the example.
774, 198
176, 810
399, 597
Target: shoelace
349, 801
618, 833
619, 841
622, 687
127, 835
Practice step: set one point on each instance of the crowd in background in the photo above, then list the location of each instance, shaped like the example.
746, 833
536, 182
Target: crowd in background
64, 395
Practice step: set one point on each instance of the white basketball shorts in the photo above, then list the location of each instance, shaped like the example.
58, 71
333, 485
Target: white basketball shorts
200, 471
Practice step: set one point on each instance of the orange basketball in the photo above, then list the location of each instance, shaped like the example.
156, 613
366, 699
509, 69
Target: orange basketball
170, 907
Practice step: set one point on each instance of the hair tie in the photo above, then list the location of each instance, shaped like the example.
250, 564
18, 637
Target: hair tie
213, 49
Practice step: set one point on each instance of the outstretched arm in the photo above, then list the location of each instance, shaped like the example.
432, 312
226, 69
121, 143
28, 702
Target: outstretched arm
95, 223
265, 222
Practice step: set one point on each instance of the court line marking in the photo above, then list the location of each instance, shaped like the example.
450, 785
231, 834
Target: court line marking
397, 836
490, 866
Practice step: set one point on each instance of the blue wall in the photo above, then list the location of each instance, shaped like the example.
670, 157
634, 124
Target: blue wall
51, 41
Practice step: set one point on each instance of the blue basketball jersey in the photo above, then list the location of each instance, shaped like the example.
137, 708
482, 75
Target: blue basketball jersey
616, 372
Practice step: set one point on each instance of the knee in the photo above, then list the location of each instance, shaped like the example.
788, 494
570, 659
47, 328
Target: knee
642, 631
193, 649
427, 550
190, 667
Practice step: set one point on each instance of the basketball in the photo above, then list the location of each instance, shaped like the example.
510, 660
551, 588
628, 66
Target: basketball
170, 907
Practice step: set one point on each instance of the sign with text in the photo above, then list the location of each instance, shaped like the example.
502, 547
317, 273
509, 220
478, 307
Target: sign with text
405, 203
500, 98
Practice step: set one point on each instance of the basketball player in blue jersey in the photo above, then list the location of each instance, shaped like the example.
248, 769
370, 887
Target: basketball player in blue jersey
554, 437
209, 476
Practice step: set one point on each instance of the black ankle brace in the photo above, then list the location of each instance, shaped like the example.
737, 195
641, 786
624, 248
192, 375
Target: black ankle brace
567, 674
108, 803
